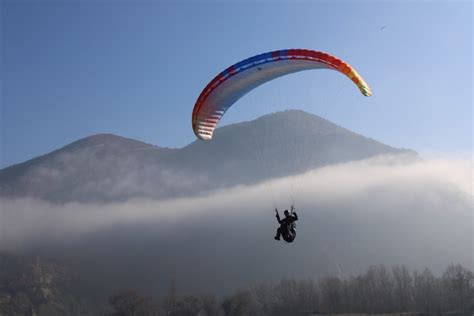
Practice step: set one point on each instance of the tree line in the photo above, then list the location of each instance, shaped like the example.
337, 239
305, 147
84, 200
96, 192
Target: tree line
379, 290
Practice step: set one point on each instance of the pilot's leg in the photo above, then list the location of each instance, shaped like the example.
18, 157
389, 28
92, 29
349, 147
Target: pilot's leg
279, 232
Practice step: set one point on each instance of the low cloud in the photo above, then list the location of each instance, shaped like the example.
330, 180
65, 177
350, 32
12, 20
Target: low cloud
381, 210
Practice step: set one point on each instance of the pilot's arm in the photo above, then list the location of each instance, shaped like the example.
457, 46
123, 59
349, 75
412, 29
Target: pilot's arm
277, 216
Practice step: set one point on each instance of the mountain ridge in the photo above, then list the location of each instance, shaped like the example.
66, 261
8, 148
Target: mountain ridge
107, 167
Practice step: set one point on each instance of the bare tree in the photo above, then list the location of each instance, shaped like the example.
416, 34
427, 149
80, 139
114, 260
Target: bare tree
457, 285
295, 298
385, 289
403, 289
170, 302
130, 303
241, 304
426, 292
265, 297
210, 305
187, 306
330, 294
308, 296
360, 294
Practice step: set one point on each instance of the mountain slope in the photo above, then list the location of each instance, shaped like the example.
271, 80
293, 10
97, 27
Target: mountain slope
105, 167
88, 169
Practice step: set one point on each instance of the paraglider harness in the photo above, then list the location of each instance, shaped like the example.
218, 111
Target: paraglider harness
290, 231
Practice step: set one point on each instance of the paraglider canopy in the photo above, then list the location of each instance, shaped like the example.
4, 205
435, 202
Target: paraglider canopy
239, 79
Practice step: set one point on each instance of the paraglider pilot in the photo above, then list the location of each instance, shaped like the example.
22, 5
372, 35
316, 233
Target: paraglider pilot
286, 229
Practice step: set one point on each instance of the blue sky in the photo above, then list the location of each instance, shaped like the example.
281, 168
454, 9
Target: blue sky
70, 69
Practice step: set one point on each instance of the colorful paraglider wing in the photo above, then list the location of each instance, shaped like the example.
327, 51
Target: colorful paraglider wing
237, 80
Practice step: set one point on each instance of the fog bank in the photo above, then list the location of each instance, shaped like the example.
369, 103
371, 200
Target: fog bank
381, 210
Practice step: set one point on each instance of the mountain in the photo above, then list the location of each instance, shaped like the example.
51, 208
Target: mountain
105, 167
